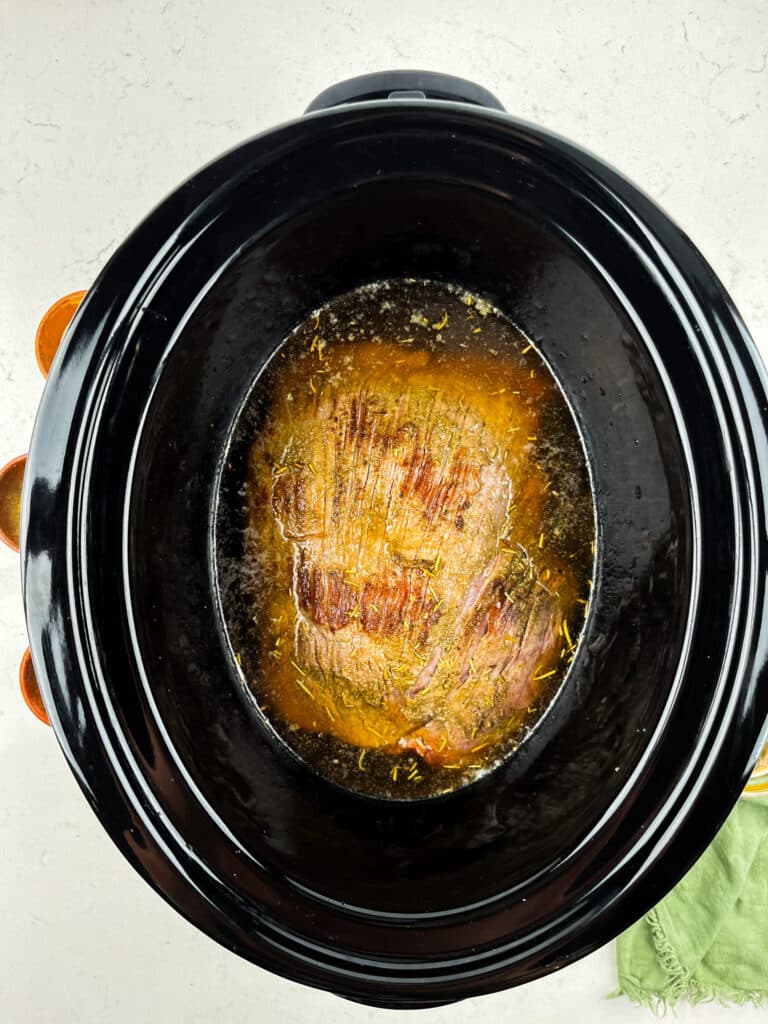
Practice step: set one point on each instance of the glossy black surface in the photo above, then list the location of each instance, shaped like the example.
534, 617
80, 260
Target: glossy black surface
651, 743
382, 85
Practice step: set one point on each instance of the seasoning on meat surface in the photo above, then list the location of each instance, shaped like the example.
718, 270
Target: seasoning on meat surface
421, 518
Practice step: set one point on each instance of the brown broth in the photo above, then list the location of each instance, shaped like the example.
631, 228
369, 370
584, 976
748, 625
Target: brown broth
419, 539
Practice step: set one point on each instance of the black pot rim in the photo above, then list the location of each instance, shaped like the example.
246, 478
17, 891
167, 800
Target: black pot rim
55, 511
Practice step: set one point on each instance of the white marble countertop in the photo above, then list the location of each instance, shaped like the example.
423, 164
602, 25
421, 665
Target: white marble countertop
104, 108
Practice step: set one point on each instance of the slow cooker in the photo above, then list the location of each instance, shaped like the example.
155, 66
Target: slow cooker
666, 706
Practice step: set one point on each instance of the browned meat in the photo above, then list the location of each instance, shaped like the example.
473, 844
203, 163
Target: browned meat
399, 501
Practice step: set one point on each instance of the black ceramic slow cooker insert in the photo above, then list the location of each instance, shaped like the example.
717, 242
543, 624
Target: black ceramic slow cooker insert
652, 739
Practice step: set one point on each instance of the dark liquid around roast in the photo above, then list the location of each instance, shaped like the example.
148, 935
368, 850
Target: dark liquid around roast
417, 539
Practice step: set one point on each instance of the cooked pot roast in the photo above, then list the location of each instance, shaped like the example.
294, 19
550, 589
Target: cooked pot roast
412, 537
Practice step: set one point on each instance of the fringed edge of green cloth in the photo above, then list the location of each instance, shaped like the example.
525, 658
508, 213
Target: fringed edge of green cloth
680, 984
660, 1003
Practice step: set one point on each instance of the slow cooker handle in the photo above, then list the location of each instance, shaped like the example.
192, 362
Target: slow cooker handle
418, 85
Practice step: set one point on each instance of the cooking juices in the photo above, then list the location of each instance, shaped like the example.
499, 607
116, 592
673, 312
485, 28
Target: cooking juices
418, 539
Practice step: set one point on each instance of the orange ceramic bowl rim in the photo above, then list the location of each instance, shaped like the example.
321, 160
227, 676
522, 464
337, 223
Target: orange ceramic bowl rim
5, 472
49, 334
30, 689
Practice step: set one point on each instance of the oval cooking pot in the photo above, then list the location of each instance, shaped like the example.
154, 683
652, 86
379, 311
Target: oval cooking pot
652, 738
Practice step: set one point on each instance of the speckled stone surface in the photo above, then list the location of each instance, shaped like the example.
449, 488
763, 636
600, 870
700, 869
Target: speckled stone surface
104, 108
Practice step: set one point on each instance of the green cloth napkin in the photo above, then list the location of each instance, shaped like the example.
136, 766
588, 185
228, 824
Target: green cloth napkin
708, 939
